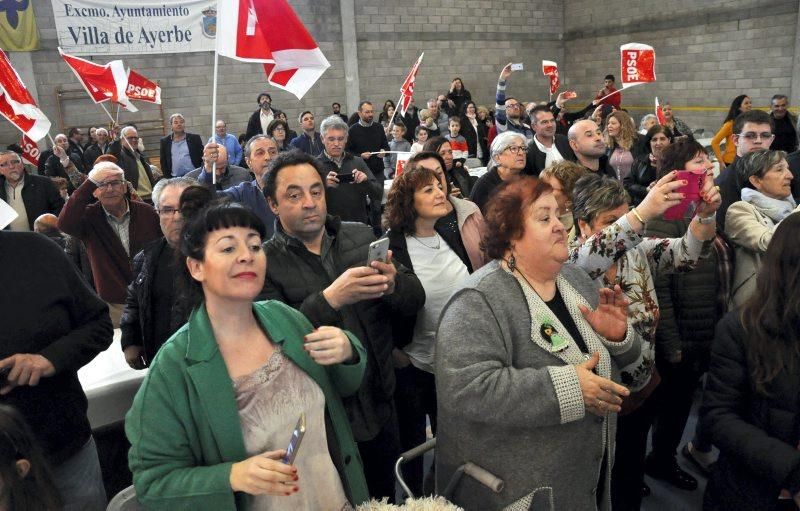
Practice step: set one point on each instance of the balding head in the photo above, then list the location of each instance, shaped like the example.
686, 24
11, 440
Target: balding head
46, 224
586, 139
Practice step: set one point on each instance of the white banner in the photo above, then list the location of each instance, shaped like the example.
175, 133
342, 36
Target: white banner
139, 27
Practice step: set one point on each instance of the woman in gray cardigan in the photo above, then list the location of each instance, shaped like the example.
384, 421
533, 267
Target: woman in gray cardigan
526, 362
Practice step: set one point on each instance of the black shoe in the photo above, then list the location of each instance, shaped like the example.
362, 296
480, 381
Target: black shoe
698, 464
645, 490
671, 473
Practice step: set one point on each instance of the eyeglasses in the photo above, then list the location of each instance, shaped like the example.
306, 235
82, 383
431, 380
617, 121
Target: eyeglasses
167, 211
751, 135
513, 105
516, 149
9, 163
132, 138
111, 184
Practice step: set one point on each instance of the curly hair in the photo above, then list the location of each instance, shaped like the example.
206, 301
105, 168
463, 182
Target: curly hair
506, 212
627, 131
400, 214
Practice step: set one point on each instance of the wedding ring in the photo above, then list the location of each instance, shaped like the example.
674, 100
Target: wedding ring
666, 196
599, 403
717, 187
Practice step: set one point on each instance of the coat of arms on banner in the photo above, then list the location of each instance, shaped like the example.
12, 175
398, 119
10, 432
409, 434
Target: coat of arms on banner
210, 21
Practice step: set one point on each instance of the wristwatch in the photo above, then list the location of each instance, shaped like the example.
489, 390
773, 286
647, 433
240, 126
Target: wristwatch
706, 220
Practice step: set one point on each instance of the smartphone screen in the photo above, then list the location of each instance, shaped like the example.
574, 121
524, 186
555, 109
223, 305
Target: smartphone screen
294, 442
516, 67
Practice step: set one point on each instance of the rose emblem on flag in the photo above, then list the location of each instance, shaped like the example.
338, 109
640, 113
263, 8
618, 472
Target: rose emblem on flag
210, 22
10, 7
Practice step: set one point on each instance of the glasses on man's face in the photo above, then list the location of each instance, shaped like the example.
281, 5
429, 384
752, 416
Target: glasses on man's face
513, 105
116, 183
279, 129
167, 212
132, 138
752, 136
516, 149
9, 163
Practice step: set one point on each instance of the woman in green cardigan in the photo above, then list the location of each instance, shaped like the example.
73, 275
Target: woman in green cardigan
211, 421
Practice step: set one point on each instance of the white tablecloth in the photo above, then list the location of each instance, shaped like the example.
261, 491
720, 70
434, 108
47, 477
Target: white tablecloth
110, 385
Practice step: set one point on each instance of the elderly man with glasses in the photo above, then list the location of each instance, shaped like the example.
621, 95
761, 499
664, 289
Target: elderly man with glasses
152, 309
29, 195
508, 111
133, 163
113, 228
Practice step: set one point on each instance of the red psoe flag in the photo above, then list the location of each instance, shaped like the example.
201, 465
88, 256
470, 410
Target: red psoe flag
270, 32
407, 89
660, 113
102, 82
637, 64
30, 151
550, 68
142, 89
17, 104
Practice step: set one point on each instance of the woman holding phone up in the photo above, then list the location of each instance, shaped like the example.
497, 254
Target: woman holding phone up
211, 421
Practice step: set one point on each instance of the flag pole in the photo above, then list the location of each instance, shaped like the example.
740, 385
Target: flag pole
396, 108
107, 112
609, 95
117, 116
214, 108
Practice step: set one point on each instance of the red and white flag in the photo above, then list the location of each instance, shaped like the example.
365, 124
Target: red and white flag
407, 89
142, 89
30, 150
660, 113
550, 68
637, 64
270, 32
17, 105
102, 82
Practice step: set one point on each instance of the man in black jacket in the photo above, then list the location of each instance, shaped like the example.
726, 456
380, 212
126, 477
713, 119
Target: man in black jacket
367, 137
180, 151
348, 179
52, 325
152, 310
317, 265
133, 163
260, 119
29, 195
586, 141
75, 136
547, 147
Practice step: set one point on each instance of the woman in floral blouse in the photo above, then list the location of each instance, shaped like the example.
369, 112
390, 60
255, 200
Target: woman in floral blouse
611, 248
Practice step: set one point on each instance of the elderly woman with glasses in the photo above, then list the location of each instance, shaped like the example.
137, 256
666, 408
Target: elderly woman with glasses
765, 179
611, 249
526, 362
508, 153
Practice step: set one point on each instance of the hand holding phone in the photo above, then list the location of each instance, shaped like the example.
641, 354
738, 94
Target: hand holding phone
347, 177
517, 67
378, 251
691, 194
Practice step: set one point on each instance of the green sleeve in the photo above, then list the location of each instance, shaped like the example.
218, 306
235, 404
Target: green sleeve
165, 448
347, 377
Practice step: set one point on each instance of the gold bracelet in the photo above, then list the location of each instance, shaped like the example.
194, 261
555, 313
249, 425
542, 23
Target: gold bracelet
637, 215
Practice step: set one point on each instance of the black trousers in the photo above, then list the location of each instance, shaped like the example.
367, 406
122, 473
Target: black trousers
627, 476
674, 395
379, 456
414, 397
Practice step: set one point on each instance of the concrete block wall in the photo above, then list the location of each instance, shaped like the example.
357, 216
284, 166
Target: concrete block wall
707, 52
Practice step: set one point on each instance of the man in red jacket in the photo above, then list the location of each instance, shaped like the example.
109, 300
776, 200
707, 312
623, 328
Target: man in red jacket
113, 228
608, 88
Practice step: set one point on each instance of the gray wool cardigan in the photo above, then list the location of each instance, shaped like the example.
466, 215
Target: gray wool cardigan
510, 405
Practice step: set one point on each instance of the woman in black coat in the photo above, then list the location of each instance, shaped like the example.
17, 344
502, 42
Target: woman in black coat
475, 132
643, 171
752, 399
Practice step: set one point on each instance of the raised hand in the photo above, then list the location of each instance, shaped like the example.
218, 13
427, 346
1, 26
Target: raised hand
610, 318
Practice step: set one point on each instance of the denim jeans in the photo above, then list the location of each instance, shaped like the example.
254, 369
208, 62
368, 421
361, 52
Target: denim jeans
80, 481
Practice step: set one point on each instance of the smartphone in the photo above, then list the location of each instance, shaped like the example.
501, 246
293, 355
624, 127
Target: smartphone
294, 443
691, 192
378, 251
516, 67
345, 178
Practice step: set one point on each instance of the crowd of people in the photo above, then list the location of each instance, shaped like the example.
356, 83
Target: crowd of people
554, 286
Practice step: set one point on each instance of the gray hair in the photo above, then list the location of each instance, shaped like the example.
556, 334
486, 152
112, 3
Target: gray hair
645, 119
595, 194
502, 142
334, 122
181, 182
4, 152
249, 145
127, 129
108, 165
174, 116
757, 163
98, 130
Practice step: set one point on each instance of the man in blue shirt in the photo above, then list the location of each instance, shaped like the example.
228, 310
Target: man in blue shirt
309, 140
181, 152
223, 138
